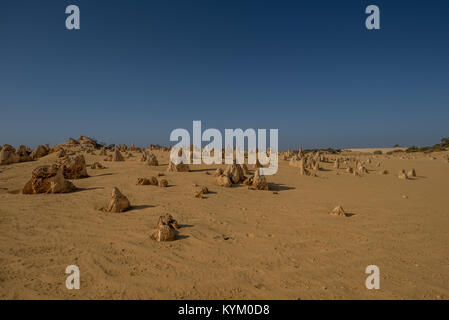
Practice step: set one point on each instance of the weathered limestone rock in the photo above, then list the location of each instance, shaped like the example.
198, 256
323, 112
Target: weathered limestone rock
338, 211
118, 203
166, 229
257, 182
8, 155
181, 167
200, 191
117, 156
224, 181
163, 183
97, 165
143, 182
39, 152
235, 173
152, 160
336, 164
74, 167
153, 181
402, 175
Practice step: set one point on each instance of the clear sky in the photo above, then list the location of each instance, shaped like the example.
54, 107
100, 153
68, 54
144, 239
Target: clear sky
138, 69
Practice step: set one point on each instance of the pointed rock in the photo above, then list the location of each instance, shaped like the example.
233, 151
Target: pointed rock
117, 156
118, 203
338, 211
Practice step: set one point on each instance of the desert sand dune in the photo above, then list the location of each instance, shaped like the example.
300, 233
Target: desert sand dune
233, 243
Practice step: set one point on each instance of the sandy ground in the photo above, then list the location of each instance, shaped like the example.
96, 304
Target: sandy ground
282, 245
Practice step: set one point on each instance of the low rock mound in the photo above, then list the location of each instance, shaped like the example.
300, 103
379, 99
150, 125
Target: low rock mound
148, 182
163, 183
257, 182
338, 211
151, 160
24, 154
8, 155
143, 182
39, 152
181, 167
402, 175
294, 162
153, 181
97, 165
48, 179
235, 173
166, 229
224, 181
200, 191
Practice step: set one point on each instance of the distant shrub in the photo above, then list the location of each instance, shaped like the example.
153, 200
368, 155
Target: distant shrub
437, 147
395, 151
328, 150
377, 152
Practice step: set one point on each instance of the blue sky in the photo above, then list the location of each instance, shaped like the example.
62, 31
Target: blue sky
138, 69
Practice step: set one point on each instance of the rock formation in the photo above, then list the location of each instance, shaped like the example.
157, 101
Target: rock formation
74, 167
235, 173
61, 153
224, 181
402, 174
97, 165
118, 203
153, 181
338, 211
39, 152
302, 170
8, 155
181, 167
163, 183
200, 191
152, 160
143, 182
257, 182
117, 156
166, 229
48, 179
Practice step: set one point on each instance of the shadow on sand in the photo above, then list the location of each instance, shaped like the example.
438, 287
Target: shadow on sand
279, 187
87, 189
140, 207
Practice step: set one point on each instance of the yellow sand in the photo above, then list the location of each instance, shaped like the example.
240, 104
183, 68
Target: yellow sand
282, 245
